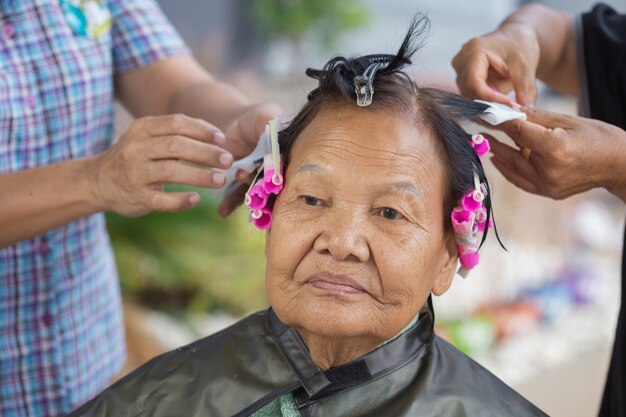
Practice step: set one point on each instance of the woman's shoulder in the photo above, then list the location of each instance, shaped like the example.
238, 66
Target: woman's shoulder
184, 377
476, 386
208, 348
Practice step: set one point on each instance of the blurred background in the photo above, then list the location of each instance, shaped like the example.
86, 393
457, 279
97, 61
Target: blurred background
540, 316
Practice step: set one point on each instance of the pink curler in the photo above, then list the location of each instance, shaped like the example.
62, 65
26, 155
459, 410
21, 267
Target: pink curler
262, 219
257, 197
481, 220
480, 145
473, 200
462, 222
469, 258
483, 148
481, 214
272, 181
269, 184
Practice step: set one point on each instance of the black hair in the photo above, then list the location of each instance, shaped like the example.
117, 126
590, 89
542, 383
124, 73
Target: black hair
440, 111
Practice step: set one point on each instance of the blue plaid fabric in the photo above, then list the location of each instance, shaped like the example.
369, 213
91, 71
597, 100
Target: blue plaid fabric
61, 328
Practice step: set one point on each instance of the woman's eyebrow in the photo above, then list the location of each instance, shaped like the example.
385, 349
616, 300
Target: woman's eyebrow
405, 186
309, 168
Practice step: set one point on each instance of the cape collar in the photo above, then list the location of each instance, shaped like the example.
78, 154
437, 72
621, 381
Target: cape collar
382, 360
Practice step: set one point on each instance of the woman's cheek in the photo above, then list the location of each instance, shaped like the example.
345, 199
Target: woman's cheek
289, 240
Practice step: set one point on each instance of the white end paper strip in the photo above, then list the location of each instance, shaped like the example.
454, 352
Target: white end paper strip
499, 113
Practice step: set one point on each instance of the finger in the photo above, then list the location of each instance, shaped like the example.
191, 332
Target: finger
514, 177
243, 176
252, 124
524, 82
263, 114
471, 73
548, 119
181, 125
184, 148
176, 172
499, 79
513, 158
172, 202
528, 134
232, 200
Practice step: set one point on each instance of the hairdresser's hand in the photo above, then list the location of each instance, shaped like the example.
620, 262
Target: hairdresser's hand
243, 133
569, 155
242, 137
490, 66
128, 178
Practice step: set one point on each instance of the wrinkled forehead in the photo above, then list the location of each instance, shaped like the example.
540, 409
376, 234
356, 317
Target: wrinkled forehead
381, 142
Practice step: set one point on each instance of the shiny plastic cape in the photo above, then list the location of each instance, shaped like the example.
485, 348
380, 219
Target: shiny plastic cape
244, 367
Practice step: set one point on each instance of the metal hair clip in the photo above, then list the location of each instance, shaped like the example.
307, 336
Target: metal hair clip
364, 85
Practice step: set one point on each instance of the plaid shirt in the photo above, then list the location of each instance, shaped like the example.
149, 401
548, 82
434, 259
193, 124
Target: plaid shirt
61, 329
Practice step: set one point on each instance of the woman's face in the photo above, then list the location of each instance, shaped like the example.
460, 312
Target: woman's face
358, 240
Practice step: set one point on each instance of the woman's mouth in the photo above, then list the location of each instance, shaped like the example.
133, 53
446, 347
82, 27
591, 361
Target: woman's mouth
335, 283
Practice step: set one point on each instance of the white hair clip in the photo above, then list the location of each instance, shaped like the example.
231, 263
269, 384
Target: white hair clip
364, 85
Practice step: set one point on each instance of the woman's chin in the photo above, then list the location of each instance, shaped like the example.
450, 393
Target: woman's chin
332, 317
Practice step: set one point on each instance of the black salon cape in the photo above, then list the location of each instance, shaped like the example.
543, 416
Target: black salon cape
604, 46
239, 370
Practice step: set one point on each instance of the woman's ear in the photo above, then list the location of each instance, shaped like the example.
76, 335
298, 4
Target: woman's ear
443, 281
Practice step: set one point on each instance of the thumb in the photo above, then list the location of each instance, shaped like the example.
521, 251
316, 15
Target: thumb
243, 134
549, 119
254, 125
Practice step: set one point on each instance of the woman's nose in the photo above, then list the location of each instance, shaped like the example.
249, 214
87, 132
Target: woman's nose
344, 237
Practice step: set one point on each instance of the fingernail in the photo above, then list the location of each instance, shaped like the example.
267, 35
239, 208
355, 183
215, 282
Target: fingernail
194, 199
222, 211
218, 178
226, 159
219, 138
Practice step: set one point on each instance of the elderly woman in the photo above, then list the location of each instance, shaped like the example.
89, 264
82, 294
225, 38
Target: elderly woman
358, 239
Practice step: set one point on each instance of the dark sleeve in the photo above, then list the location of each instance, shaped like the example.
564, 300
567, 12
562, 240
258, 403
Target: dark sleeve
604, 51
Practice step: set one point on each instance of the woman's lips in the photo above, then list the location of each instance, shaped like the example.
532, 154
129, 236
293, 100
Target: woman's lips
335, 283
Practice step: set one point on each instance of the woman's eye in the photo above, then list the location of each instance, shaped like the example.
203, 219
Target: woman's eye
311, 201
390, 214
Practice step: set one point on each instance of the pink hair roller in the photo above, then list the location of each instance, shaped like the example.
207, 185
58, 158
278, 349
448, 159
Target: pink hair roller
473, 200
256, 199
480, 145
272, 181
468, 257
262, 219
462, 222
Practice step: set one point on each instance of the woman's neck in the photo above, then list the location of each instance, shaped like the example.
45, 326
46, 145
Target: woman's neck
328, 352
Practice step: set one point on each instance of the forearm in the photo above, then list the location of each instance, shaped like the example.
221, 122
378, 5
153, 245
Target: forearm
36, 200
179, 85
211, 100
555, 35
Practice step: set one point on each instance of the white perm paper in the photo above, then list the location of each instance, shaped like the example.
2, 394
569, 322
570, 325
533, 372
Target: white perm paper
499, 113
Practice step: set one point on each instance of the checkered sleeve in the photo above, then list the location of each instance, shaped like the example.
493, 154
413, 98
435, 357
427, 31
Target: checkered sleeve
141, 34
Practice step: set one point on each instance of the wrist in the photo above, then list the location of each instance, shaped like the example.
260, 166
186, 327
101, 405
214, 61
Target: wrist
87, 175
616, 170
